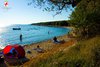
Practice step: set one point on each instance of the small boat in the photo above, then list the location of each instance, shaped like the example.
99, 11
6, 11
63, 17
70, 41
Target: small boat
16, 28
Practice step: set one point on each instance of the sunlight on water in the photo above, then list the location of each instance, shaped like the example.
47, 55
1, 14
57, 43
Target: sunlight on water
1, 30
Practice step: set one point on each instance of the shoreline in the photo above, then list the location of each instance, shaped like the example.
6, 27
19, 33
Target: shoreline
46, 45
58, 37
3, 45
40, 41
49, 47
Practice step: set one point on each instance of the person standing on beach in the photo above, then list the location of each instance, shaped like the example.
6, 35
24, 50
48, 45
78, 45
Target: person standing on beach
20, 37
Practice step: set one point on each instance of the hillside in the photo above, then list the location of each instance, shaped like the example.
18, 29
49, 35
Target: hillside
52, 23
85, 53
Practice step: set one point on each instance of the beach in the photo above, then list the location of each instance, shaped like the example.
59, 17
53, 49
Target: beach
47, 46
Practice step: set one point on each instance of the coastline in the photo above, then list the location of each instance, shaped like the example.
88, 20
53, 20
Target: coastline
50, 49
47, 45
45, 41
30, 35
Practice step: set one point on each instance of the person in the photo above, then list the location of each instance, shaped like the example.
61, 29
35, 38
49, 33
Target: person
55, 39
38, 49
48, 32
21, 37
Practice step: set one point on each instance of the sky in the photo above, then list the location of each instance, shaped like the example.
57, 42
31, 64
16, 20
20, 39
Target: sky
19, 12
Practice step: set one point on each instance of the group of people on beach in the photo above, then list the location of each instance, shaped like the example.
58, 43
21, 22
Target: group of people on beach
41, 50
38, 49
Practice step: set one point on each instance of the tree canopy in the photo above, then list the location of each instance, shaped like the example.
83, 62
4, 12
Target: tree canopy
54, 5
86, 17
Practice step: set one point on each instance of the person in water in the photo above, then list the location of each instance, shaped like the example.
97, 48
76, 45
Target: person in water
21, 37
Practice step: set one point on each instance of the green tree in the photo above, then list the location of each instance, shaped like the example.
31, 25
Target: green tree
86, 17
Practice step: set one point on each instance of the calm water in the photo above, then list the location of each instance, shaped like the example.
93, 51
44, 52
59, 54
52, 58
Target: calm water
31, 34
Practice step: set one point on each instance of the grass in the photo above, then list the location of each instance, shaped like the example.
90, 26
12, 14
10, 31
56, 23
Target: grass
85, 53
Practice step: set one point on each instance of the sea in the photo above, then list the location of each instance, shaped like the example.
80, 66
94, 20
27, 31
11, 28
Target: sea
30, 34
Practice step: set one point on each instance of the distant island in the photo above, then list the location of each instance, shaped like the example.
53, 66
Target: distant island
52, 23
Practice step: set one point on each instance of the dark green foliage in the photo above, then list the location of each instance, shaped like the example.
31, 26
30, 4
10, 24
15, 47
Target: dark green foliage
54, 5
86, 18
53, 23
97, 55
